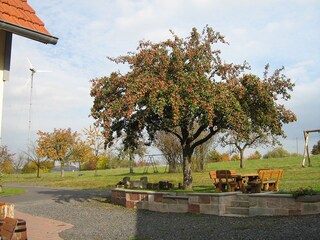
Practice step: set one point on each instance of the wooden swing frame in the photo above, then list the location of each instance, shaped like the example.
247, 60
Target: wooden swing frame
306, 147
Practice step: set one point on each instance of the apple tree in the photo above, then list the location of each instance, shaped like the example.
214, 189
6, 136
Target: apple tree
182, 86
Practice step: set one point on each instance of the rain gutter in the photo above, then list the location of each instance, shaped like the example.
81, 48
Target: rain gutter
28, 33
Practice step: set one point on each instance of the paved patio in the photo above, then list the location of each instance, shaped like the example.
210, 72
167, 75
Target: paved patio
40, 228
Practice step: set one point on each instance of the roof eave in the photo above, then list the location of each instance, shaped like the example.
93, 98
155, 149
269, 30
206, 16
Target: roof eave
28, 33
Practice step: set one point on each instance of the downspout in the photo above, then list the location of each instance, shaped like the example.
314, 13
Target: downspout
5, 56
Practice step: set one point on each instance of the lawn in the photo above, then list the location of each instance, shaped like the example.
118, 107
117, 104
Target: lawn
294, 175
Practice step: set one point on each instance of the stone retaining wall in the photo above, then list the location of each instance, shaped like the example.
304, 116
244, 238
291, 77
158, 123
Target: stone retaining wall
222, 204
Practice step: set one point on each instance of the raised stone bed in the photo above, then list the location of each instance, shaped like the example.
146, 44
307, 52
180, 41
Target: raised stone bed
222, 204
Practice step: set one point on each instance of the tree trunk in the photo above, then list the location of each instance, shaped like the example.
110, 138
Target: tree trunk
62, 168
241, 158
96, 166
131, 161
172, 168
187, 168
38, 169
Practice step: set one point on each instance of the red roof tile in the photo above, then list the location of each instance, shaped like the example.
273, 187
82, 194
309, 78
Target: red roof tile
20, 13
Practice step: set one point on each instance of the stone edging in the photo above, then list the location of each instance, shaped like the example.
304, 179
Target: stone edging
221, 204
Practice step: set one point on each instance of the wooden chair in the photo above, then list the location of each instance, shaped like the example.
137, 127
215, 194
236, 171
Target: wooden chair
268, 180
224, 180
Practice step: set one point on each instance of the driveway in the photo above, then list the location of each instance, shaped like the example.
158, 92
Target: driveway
93, 217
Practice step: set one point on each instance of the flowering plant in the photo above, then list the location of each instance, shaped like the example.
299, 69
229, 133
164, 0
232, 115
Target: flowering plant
303, 191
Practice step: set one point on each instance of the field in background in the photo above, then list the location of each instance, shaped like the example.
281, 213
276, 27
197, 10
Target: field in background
294, 175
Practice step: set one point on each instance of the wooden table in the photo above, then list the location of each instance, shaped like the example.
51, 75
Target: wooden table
244, 178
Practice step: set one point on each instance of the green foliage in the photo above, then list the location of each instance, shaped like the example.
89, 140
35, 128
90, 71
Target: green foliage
214, 156
57, 145
6, 160
316, 148
303, 191
279, 152
102, 162
32, 166
235, 157
254, 156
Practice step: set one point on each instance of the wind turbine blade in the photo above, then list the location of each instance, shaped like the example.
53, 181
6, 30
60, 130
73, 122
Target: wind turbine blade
31, 66
42, 71
27, 82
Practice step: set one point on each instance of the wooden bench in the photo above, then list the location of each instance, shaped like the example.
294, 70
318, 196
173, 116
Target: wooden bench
268, 181
224, 180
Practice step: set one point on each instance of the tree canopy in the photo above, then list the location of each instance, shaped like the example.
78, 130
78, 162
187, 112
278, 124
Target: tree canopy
183, 87
57, 146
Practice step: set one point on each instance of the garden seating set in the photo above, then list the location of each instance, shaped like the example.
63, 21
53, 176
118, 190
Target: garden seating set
144, 184
262, 180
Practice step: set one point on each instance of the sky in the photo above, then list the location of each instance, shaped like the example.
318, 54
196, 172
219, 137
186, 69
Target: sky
278, 32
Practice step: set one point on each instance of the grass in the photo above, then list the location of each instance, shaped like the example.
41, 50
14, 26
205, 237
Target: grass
294, 175
7, 191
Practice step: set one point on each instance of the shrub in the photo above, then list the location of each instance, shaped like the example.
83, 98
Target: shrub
6, 160
214, 156
303, 191
225, 157
254, 156
316, 148
235, 157
32, 167
277, 153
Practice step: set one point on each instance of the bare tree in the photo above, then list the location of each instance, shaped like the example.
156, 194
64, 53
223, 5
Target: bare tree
241, 142
19, 162
170, 146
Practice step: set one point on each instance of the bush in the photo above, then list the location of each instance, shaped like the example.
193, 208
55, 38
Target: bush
214, 156
235, 157
254, 156
31, 167
316, 149
277, 153
6, 160
225, 157
102, 162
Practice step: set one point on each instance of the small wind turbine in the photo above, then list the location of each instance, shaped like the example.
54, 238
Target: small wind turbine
33, 71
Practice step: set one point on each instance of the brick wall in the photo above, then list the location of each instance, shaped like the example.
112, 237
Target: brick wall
262, 204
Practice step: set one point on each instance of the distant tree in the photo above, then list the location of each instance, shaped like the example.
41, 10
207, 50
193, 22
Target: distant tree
278, 152
96, 141
214, 156
182, 86
316, 149
254, 156
201, 152
6, 160
81, 153
32, 166
35, 156
18, 163
170, 146
256, 137
57, 145
127, 154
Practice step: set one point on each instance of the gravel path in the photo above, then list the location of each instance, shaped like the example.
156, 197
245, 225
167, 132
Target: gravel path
94, 218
